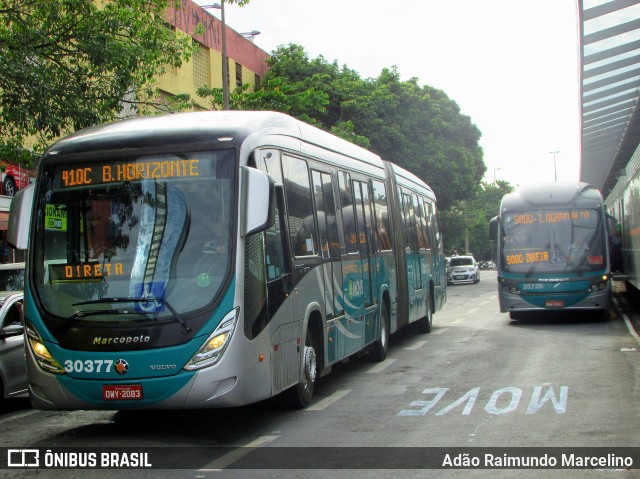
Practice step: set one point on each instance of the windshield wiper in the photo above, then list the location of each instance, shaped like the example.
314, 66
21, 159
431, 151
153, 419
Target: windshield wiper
532, 269
81, 314
148, 299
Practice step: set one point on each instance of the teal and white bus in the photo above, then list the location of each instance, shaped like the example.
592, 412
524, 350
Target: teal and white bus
216, 259
552, 249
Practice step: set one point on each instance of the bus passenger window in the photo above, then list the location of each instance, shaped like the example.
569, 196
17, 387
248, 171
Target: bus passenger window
362, 203
326, 214
381, 215
348, 215
298, 193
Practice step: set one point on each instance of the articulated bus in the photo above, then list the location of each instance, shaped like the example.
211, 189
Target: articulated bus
216, 259
552, 249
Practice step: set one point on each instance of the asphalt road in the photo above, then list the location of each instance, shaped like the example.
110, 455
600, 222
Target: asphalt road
479, 380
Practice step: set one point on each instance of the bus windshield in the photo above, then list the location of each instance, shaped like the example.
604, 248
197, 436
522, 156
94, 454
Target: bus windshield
553, 241
142, 238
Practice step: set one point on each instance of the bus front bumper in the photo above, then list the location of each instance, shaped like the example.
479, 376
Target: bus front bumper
599, 300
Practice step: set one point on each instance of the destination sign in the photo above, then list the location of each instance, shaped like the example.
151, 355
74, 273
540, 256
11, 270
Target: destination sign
132, 171
522, 258
92, 271
551, 217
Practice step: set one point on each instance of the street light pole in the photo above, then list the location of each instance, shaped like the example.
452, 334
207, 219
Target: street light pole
555, 171
225, 63
494, 175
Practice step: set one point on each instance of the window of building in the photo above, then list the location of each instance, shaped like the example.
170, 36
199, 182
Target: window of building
201, 70
238, 74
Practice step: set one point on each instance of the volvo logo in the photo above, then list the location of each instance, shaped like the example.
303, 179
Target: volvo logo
121, 367
163, 366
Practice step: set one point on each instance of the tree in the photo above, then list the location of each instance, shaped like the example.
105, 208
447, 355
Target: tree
467, 222
416, 127
68, 64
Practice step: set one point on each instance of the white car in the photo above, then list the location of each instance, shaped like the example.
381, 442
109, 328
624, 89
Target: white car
463, 269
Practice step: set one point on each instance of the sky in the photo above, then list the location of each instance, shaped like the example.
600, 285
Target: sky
511, 65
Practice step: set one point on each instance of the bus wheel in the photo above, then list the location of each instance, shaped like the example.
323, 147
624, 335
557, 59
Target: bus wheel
8, 186
424, 324
378, 350
301, 394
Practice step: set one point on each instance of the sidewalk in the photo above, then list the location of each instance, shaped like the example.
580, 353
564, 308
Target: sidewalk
628, 300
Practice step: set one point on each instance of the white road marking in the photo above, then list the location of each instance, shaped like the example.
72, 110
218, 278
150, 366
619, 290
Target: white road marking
440, 331
459, 320
417, 345
329, 400
225, 461
381, 366
18, 416
627, 321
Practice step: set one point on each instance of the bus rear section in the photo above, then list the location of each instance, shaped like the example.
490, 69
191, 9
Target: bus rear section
552, 251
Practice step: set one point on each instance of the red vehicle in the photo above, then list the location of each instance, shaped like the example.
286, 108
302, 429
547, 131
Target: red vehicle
14, 177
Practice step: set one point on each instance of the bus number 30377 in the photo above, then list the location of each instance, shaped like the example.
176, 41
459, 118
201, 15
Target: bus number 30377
88, 366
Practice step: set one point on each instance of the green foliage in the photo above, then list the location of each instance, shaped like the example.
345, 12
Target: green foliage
15, 153
68, 64
467, 221
418, 128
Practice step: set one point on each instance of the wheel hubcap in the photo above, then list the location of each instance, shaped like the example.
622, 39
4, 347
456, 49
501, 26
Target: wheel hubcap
310, 364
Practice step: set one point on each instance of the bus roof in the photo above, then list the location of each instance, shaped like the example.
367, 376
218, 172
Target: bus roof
202, 128
243, 129
551, 194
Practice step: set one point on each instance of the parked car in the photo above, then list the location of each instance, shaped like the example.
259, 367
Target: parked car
12, 277
14, 177
13, 369
463, 269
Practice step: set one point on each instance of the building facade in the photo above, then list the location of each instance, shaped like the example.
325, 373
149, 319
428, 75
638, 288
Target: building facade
247, 63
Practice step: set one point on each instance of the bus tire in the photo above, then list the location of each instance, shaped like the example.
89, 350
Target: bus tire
301, 394
425, 324
8, 186
378, 350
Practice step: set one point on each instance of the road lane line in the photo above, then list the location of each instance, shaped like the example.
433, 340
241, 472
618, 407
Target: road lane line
329, 400
472, 311
440, 331
417, 345
381, 366
19, 416
459, 320
627, 321
225, 461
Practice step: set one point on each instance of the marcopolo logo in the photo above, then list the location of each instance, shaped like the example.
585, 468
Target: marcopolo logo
121, 367
120, 340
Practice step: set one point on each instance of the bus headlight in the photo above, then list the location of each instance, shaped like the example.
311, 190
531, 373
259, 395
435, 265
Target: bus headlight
44, 358
215, 345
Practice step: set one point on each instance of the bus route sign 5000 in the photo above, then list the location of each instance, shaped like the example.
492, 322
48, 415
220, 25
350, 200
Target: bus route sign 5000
551, 217
520, 258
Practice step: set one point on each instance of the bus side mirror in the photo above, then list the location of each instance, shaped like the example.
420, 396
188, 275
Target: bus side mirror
20, 218
493, 229
258, 205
